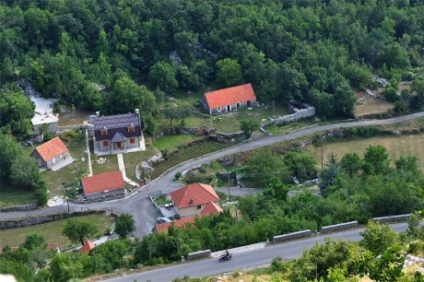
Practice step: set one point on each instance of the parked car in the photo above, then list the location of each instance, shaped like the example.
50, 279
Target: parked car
163, 220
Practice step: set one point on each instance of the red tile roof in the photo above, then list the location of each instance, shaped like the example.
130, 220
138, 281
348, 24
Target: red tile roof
53, 246
193, 195
211, 208
179, 223
51, 149
102, 182
88, 246
230, 96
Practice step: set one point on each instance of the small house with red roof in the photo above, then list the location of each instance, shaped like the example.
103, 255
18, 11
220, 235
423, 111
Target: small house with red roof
179, 223
192, 199
87, 247
103, 186
52, 153
228, 99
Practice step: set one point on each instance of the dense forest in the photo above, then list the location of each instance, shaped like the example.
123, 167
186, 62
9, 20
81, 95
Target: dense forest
309, 50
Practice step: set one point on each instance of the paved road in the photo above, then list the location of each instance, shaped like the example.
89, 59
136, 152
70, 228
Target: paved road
143, 210
246, 260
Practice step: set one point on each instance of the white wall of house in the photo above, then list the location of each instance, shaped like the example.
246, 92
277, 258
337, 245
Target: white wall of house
132, 142
190, 211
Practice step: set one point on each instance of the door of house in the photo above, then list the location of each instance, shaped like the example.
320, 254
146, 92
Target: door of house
119, 145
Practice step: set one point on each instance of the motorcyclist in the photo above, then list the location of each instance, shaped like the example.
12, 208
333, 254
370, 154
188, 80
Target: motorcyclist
227, 254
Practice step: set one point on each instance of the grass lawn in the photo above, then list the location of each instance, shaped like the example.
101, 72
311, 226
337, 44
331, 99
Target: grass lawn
68, 176
51, 231
409, 124
407, 145
71, 117
133, 159
172, 142
13, 197
289, 127
111, 164
369, 105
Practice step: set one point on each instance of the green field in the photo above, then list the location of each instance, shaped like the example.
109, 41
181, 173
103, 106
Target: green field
407, 145
13, 197
51, 231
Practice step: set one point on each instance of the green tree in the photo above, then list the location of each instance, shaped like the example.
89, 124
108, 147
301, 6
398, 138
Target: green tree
25, 173
173, 112
78, 230
248, 126
16, 111
109, 256
162, 75
9, 152
376, 160
391, 94
258, 167
302, 165
124, 225
228, 73
34, 242
351, 163
378, 237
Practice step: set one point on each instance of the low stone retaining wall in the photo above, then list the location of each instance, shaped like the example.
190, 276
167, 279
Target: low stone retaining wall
28, 207
30, 221
199, 254
393, 218
291, 236
338, 227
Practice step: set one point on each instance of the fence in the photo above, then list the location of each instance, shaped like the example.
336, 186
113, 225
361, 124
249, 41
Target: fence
199, 254
292, 236
338, 227
393, 218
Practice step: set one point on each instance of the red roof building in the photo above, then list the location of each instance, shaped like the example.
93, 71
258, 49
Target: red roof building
193, 198
88, 246
179, 223
211, 208
229, 99
102, 186
50, 153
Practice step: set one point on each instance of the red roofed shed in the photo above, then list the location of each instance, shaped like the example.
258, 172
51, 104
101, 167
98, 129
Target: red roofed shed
103, 186
179, 223
88, 246
229, 99
50, 153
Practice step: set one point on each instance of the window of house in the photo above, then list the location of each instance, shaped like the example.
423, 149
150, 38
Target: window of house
104, 131
199, 207
105, 143
132, 140
131, 128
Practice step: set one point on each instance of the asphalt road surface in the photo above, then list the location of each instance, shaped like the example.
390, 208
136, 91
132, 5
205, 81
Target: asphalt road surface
143, 210
246, 260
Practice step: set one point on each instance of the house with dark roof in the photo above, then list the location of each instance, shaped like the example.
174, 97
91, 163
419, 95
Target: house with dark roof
117, 133
52, 154
192, 199
103, 186
228, 99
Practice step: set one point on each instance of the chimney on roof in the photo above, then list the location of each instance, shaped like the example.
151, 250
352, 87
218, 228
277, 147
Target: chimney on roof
137, 111
191, 201
98, 113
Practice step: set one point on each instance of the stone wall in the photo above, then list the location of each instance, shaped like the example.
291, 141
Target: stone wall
28, 207
30, 221
298, 114
184, 131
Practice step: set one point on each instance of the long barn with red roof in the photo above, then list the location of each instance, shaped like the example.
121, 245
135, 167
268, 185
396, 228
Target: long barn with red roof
229, 99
